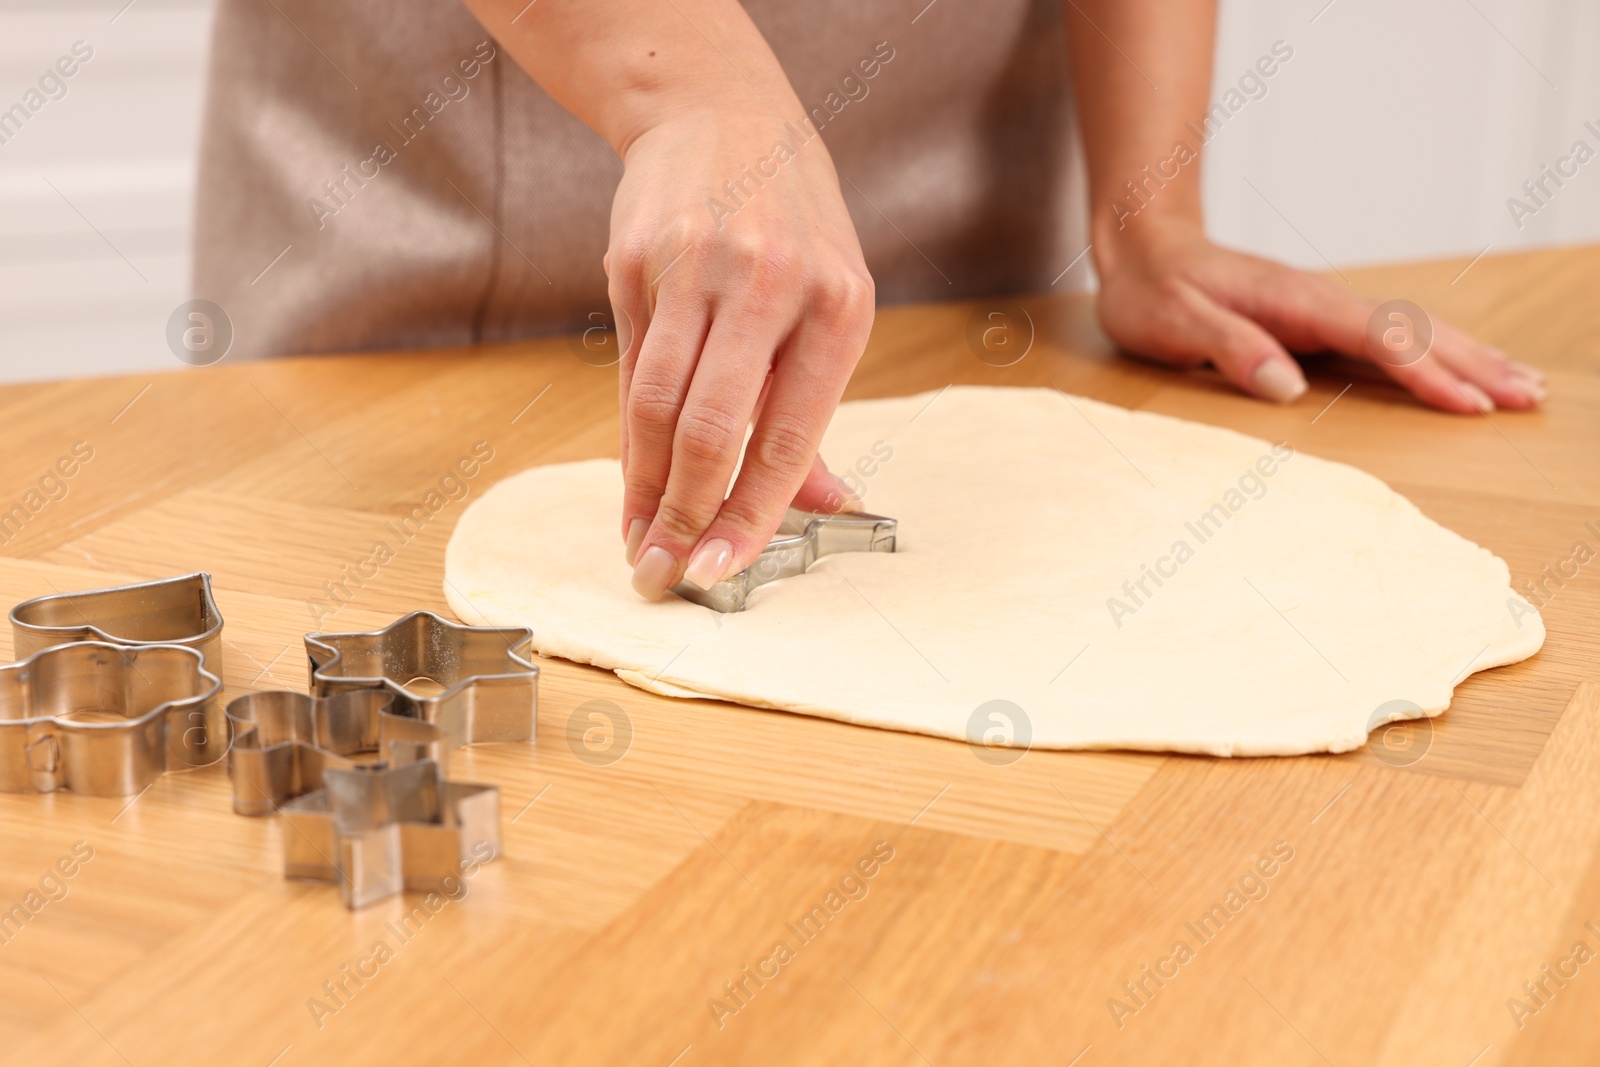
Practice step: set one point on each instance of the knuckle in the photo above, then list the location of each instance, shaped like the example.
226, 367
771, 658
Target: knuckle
1171, 290
743, 523
678, 234
765, 260
844, 300
652, 405
620, 290
678, 522
1163, 324
628, 259
641, 485
1293, 294
1242, 345
707, 433
783, 446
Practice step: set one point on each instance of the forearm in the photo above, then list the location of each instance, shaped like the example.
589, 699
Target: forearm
1135, 98
625, 65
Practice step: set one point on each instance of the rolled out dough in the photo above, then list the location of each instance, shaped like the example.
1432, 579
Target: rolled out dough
1122, 579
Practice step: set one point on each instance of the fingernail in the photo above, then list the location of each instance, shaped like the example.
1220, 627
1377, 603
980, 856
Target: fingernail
1524, 371
1475, 396
636, 531
1280, 380
710, 565
654, 571
1531, 389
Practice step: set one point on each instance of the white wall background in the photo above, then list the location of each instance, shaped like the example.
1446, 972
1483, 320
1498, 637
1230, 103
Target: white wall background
1397, 131
1400, 127
120, 148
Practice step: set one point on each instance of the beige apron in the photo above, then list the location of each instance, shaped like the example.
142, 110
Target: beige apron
383, 175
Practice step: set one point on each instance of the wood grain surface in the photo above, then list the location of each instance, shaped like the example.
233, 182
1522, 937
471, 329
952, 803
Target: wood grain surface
1372, 908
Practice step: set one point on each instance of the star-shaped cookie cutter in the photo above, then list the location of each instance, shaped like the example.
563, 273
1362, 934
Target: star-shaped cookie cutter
803, 538
489, 690
380, 830
284, 742
106, 720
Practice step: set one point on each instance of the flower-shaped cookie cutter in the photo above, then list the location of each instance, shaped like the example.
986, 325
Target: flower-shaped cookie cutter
105, 719
487, 689
284, 742
169, 611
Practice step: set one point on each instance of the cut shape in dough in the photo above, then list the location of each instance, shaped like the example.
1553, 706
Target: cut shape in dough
1114, 578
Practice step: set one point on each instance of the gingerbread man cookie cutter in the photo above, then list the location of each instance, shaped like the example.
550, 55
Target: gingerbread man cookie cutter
105, 719
488, 690
803, 538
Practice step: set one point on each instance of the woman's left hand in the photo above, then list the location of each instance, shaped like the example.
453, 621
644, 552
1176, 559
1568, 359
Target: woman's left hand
1168, 293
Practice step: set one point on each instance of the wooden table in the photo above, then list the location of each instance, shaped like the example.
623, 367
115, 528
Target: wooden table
1414, 901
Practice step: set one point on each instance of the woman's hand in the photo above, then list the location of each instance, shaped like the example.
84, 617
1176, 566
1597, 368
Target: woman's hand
735, 274
1168, 293
741, 296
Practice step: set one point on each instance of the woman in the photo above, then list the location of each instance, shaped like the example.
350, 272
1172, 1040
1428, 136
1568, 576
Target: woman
419, 173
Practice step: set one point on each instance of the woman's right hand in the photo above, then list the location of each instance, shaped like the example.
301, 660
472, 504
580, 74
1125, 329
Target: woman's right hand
740, 297
735, 275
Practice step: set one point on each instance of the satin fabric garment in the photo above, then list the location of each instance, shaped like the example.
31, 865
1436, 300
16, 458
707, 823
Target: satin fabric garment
383, 175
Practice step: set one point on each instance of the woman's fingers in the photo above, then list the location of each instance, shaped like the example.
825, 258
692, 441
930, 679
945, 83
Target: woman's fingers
705, 443
822, 491
1509, 385
1436, 385
1200, 330
711, 298
1455, 373
781, 458
1168, 293
656, 391
630, 313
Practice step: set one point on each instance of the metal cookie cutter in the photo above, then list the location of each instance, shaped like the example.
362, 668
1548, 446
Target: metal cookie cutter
284, 742
488, 690
105, 720
171, 611
803, 538
381, 830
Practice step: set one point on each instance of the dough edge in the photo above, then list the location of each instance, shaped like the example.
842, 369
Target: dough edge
1515, 646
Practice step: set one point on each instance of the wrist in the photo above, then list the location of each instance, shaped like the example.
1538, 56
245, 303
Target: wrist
641, 106
1123, 229
625, 67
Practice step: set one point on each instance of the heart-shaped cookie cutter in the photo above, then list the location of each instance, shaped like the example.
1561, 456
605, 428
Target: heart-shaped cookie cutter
168, 611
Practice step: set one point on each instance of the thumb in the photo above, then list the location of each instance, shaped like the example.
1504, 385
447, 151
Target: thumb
822, 491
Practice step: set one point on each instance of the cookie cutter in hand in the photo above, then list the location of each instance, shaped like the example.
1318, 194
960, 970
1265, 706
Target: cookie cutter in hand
380, 830
160, 700
803, 538
170, 611
284, 742
489, 690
